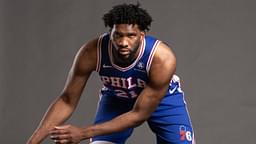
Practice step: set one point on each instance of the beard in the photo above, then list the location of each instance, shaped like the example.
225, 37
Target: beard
125, 60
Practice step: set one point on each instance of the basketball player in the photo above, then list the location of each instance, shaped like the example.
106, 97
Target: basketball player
139, 84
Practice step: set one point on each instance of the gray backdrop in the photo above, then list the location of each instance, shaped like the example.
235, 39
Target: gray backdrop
213, 41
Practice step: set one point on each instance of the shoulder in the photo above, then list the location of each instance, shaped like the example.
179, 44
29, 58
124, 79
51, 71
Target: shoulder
163, 66
164, 55
88, 47
91, 47
86, 57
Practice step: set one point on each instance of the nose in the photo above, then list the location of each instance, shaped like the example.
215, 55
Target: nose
123, 42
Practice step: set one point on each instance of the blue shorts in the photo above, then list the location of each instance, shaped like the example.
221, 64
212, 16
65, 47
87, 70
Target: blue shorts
170, 122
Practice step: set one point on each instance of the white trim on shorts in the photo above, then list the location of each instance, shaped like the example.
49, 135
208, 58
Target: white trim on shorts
101, 142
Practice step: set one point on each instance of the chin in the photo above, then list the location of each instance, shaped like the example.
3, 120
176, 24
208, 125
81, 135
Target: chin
124, 57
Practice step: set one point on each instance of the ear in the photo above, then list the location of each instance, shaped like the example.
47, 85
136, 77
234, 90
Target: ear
142, 34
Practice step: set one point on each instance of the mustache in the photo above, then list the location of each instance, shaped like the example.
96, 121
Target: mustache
122, 46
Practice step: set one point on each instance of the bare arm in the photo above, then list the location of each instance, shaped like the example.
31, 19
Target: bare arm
162, 69
62, 108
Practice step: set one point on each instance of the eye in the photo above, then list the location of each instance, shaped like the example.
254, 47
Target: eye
117, 35
131, 35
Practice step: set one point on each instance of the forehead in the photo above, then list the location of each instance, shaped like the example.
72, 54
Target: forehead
124, 28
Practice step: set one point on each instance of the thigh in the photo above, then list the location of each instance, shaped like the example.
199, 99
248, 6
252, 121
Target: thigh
174, 134
109, 108
172, 125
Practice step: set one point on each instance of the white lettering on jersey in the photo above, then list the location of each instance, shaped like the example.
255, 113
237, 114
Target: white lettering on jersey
127, 83
124, 85
121, 93
115, 81
124, 94
141, 83
105, 79
130, 84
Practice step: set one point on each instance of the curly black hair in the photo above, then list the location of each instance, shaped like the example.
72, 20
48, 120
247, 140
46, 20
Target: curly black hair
128, 14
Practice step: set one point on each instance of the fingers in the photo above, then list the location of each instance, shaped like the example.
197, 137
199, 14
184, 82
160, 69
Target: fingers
61, 139
59, 131
64, 141
60, 135
66, 134
62, 127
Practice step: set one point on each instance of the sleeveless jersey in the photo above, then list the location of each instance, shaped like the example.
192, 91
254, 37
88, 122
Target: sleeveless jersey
122, 85
128, 82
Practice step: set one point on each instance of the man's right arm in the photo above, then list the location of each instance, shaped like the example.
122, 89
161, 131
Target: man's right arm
61, 109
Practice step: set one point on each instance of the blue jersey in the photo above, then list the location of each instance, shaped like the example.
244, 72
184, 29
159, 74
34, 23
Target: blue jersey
122, 85
128, 82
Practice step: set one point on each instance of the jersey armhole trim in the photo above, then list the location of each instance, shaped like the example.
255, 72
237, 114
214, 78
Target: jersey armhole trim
151, 56
99, 44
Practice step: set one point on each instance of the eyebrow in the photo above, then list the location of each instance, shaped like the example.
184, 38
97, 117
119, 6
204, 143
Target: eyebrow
128, 33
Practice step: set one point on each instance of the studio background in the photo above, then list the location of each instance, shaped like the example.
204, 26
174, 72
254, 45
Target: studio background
214, 41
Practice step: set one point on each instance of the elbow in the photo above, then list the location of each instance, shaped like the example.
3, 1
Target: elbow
67, 100
139, 118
